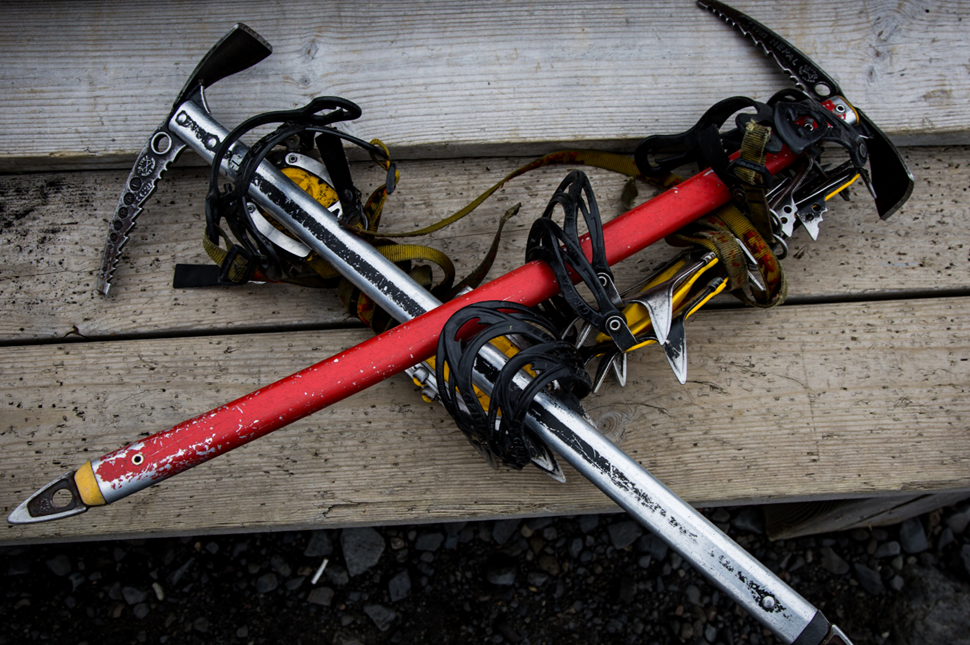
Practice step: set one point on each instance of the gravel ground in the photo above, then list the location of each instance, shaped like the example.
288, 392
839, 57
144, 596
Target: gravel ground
584, 579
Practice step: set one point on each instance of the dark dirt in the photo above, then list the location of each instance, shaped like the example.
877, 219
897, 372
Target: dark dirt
586, 579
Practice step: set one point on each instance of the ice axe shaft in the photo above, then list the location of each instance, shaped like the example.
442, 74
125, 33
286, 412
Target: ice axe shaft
192, 442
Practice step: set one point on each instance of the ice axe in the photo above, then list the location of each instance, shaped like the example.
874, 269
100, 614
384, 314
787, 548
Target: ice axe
569, 434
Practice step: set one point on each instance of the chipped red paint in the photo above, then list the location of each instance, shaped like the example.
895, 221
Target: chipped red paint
270, 408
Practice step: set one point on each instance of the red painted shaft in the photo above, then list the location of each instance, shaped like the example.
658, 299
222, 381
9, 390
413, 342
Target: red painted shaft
208, 435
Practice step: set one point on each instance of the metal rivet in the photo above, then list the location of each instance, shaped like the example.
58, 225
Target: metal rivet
182, 118
614, 324
137, 459
768, 602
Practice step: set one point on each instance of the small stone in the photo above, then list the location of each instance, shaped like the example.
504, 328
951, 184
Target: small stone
362, 549
212, 548
536, 578
382, 616
429, 541
912, 537
294, 583
280, 566
18, 567
266, 583
141, 610
242, 632
623, 534
626, 591
887, 550
575, 547
77, 579
159, 592
501, 573
859, 535
549, 564
958, 521
337, 575
180, 572
133, 595
201, 625
710, 633
832, 562
750, 520
399, 587
946, 539
588, 522
686, 631
322, 596
897, 583
721, 515
644, 561
59, 565
675, 561
538, 523
319, 545
503, 530
869, 579
653, 545
693, 595
239, 548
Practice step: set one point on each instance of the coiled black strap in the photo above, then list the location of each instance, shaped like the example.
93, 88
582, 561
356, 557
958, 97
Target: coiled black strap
555, 364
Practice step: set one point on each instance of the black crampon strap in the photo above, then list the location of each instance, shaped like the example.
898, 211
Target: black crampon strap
252, 251
553, 363
560, 248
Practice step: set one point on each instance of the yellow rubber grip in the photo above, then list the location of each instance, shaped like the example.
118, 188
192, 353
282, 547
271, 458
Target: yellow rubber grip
87, 486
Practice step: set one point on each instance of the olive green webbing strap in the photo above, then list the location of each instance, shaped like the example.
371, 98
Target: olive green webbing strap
594, 158
727, 228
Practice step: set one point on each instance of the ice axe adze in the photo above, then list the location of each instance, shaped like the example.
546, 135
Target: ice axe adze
569, 434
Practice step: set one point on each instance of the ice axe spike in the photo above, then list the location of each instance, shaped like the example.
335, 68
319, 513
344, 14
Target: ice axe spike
239, 49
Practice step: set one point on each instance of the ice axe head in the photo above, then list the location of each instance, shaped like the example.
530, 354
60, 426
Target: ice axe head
238, 50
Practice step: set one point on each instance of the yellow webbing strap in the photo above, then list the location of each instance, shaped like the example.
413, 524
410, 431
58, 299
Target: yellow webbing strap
724, 230
597, 159
755, 199
218, 255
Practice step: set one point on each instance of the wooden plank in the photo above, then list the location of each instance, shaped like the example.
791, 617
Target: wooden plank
798, 403
85, 83
785, 521
53, 226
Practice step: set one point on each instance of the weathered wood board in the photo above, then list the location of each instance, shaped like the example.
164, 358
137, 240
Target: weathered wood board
801, 402
84, 83
53, 227
856, 389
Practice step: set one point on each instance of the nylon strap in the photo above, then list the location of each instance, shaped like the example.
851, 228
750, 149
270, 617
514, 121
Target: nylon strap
727, 228
597, 159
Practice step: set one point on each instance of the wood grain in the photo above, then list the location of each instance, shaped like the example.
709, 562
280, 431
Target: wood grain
445, 78
798, 403
53, 227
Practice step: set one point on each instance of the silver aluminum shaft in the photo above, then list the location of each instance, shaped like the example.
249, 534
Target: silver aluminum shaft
710, 551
